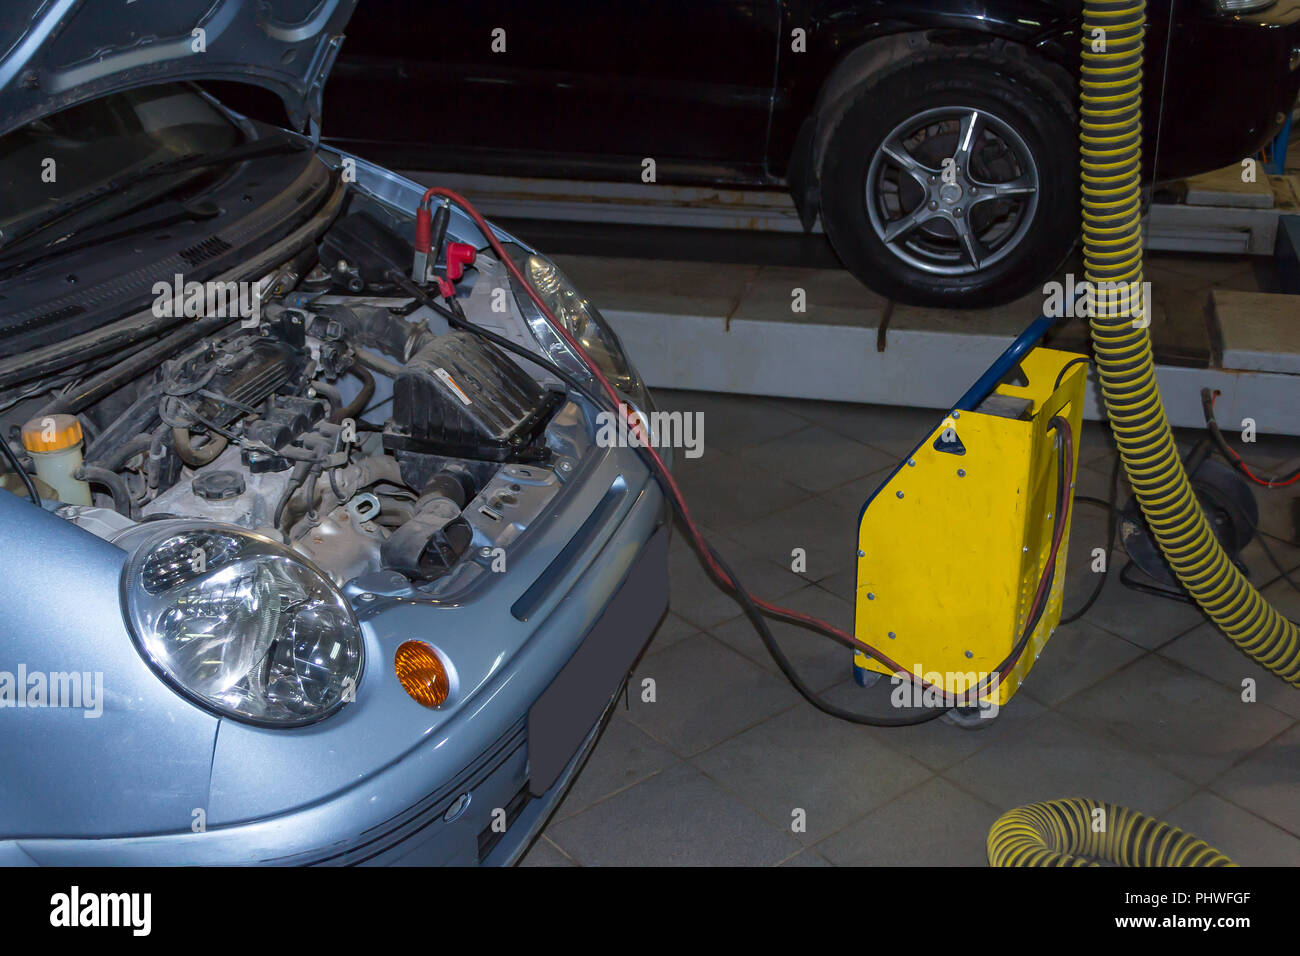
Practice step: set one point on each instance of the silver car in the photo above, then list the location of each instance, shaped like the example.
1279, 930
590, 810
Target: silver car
312, 553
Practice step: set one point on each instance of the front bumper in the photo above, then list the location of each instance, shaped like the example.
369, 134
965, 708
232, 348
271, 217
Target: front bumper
413, 811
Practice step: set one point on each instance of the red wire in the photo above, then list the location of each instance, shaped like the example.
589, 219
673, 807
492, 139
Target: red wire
1245, 469
663, 474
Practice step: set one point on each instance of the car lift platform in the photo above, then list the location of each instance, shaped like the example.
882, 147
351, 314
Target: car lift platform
731, 328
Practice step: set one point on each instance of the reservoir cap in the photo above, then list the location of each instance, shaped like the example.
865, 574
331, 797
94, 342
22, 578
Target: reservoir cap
51, 433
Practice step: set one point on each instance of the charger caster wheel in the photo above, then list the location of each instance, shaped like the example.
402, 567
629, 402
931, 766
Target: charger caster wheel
865, 677
969, 718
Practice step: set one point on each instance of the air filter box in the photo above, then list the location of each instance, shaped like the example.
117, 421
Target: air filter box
461, 397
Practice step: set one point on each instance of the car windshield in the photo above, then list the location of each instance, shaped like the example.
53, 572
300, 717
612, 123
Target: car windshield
53, 161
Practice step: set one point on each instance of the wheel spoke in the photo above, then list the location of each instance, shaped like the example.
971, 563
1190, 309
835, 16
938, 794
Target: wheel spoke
969, 241
970, 129
895, 150
900, 227
1025, 185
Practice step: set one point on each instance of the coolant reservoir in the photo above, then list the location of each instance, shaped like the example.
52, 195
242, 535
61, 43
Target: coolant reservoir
55, 443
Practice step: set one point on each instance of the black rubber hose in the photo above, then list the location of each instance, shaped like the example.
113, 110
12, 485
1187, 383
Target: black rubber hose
330, 394
138, 417
17, 466
305, 506
123, 453
376, 362
115, 485
299, 475
197, 457
358, 405
446, 484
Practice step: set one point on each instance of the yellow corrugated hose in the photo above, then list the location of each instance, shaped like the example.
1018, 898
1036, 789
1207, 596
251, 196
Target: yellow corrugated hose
1062, 832
1110, 144
1077, 832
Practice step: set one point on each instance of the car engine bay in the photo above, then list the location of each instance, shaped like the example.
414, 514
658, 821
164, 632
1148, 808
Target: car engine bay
344, 419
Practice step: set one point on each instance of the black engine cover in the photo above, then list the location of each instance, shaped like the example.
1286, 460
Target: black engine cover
249, 369
461, 397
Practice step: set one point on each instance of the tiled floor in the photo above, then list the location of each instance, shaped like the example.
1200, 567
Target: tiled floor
1138, 703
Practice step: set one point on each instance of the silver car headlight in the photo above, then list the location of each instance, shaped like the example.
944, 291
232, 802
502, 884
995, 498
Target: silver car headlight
583, 321
242, 625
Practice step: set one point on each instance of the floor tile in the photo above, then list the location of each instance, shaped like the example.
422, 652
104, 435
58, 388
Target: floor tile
1187, 723
544, 853
1207, 651
935, 824
1146, 620
803, 760
843, 584
1262, 569
725, 490
1239, 835
936, 743
895, 431
1267, 783
710, 772
675, 818
808, 857
1077, 656
819, 661
1097, 444
1088, 531
1055, 758
625, 755
1284, 598
695, 598
825, 527
704, 693
732, 422
672, 629
817, 459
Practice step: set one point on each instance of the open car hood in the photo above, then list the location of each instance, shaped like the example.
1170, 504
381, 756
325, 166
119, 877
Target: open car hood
57, 53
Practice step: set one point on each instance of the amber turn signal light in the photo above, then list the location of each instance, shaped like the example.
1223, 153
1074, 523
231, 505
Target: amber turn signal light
422, 673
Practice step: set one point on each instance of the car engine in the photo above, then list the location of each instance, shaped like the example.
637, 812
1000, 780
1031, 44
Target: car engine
275, 426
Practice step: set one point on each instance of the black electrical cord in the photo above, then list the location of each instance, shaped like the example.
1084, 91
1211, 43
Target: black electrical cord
1112, 525
1126, 578
787, 669
16, 465
1060, 376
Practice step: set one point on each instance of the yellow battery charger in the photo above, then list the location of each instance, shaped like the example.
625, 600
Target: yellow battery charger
953, 545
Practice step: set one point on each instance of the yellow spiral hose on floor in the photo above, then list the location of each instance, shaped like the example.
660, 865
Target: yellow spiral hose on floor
1110, 144
1080, 832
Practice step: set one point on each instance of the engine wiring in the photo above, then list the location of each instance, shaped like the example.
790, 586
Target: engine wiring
755, 608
